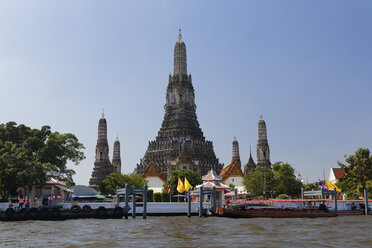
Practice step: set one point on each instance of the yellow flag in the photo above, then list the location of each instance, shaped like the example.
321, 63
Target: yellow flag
332, 186
187, 185
180, 187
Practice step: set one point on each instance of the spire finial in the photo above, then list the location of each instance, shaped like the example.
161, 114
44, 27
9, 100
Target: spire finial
117, 137
261, 115
234, 138
103, 113
179, 34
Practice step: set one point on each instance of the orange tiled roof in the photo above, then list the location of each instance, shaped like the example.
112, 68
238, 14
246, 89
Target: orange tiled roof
152, 171
232, 170
339, 173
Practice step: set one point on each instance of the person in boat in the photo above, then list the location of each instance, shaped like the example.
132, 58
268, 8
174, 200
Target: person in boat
10, 203
353, 207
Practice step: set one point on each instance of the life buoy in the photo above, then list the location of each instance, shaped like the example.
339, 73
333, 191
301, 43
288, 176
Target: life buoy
34, 213
75, 209
55, 213
101, 212
86, 209
22, 214
10, 212
44, 213
118, 212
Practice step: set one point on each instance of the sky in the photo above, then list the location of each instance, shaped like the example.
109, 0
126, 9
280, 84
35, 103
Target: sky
307, 65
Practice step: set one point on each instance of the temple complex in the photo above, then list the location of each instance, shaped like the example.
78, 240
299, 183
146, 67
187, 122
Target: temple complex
180, 143
102, 165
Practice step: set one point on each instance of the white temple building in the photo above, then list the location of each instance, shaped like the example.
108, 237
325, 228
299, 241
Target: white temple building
213, 180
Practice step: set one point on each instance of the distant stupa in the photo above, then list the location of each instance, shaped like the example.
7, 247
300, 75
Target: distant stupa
102, 165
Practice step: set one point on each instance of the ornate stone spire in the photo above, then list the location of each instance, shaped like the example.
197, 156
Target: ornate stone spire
116, 161
250, 166
263, 151
180, 126
102, 129
235, 151
102, 149
180, 63
102, 165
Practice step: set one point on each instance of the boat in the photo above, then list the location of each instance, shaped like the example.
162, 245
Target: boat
344, 207
267, 211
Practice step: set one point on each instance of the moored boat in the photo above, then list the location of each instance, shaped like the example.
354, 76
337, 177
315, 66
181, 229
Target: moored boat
265, 211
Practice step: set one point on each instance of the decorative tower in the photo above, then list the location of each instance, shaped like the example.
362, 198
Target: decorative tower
102, 165
180, 128
250, 166
263, 151
116, 161
235, 152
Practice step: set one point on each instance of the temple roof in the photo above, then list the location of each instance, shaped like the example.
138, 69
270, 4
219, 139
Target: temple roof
211, 176
232, 170
83, 190
152, 171
339, 173
210, 185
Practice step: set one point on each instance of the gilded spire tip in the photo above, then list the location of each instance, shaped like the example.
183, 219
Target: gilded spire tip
103, 113
179, 34
261, 115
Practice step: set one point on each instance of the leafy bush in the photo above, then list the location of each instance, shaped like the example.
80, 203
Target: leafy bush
165, 197
157, 197
282, 196
150, 195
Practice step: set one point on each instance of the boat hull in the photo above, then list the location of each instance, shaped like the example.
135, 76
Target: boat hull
259, 213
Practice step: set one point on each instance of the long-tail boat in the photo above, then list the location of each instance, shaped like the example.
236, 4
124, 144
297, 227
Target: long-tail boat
266, 211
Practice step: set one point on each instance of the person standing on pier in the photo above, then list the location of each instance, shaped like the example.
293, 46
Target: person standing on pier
27, 203
21, 201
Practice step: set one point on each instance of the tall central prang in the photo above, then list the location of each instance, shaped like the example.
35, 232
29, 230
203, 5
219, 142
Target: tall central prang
180, 143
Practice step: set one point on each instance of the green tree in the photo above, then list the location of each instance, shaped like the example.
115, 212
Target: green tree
26, 155
108, 186
256, 182
285, 181
311, 186
232, 186
358, 172
280, 179
192, 176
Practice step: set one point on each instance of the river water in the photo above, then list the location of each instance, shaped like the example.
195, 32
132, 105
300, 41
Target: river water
342, 231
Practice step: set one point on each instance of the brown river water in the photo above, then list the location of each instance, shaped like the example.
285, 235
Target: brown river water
342, 231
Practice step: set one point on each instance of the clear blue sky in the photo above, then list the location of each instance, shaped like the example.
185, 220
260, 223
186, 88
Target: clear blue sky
306, 64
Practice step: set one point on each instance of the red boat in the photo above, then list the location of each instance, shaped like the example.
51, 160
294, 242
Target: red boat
265, 211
